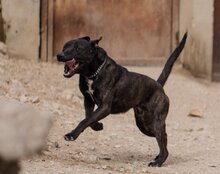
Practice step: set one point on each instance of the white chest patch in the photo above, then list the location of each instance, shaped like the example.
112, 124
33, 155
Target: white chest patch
90, 90
89, 83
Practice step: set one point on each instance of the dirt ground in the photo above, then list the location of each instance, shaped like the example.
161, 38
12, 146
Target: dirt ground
193, 142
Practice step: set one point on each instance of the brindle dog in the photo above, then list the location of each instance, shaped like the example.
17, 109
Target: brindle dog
115, 90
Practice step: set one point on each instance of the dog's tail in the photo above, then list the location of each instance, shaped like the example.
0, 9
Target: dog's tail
169, 64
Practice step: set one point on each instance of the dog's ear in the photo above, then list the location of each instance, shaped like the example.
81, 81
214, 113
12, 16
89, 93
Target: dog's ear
96, 41
86, 38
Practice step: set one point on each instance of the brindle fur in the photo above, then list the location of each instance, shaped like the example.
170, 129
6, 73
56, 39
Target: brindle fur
116, 90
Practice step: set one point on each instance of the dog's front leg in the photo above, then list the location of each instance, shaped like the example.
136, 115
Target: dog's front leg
89, 105
100, 113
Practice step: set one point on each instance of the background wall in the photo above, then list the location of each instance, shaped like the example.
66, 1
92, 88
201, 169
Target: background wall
134, 32
196, 17
146, 32
22, 21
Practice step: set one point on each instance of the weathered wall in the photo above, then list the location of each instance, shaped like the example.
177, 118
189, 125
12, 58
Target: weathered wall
22, 27
196, 17
133, 31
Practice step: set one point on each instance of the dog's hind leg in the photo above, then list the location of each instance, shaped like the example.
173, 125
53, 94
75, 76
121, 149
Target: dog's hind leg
161, 137
160, 109
150, 119
143, 121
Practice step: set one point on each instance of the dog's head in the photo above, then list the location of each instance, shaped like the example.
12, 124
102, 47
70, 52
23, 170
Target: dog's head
77, 55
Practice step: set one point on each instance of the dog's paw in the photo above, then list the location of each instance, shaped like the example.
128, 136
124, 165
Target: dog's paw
97, 126
155, 164
69, 137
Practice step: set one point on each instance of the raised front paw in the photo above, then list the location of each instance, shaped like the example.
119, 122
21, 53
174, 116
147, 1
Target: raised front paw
70, 137
97, 126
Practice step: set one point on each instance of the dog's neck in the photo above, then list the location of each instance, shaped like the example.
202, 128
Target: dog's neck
98, 62
98, 70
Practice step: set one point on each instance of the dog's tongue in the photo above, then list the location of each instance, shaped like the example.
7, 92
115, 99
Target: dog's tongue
71, 64
69, 68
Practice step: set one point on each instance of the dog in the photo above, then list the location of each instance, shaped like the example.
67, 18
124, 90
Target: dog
114, 89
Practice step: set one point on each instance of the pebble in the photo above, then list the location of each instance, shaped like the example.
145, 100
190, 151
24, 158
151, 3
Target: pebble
105, 157
200, 129
121, 169
35, 99
196, 113
144, 170
117, 146
23, 99
104, 167
92, 148
53, 145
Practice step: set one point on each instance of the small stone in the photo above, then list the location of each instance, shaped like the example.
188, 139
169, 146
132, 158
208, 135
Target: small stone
200, 129
121, 169
105, 157
93, 158
196, 113
132, 156
23, 99
144, 170
104, 167
213, 166
35, 100
56, 145
92, 148
117, 146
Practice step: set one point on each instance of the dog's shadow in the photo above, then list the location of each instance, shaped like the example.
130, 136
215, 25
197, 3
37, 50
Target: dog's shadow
140, 157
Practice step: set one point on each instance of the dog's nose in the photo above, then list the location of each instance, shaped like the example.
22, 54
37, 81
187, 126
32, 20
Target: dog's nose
60, 57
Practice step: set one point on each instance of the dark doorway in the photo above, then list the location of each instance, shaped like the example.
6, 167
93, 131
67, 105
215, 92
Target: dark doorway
2, 33
216, 43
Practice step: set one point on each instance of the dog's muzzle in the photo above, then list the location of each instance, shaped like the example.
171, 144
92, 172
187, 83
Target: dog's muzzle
70, 68
61, 57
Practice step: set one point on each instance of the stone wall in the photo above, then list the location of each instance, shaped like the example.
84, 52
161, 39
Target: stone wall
21, 23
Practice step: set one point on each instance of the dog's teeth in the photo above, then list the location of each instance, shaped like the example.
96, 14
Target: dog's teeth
66, 73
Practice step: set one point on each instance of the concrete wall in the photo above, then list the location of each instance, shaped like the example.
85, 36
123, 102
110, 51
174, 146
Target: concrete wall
196, 17
22, 22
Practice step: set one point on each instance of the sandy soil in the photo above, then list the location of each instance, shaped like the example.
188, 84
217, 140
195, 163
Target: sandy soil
193, 142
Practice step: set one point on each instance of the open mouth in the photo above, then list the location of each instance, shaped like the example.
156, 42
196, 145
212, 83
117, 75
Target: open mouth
70, 68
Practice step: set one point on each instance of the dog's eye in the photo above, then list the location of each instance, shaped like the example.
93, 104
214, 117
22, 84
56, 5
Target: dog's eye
77, 48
